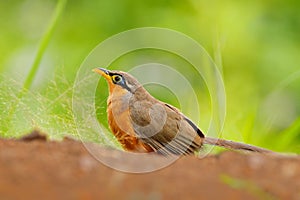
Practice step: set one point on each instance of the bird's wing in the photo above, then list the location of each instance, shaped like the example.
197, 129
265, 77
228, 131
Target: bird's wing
164, 128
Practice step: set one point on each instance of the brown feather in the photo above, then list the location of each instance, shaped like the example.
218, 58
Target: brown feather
162, 127
142, 123
120, 123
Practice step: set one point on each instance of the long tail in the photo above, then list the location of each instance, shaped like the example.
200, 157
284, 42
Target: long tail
235, 145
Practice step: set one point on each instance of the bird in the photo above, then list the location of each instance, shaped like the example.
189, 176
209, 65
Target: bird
144, 124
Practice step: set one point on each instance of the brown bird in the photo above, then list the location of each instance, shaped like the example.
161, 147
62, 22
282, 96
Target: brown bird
142, 123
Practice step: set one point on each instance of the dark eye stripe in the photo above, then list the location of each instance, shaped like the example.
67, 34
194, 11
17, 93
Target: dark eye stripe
122, 83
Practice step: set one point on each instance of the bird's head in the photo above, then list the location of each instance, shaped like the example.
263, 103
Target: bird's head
118, 80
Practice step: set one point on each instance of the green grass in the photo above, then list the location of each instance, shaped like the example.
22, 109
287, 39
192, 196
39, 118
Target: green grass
17, 105
43, 46
288, 140
252, 63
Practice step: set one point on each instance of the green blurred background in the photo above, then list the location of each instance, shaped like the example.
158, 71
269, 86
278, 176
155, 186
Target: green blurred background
255, 44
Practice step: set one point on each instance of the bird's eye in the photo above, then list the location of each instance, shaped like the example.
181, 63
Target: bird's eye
116, 79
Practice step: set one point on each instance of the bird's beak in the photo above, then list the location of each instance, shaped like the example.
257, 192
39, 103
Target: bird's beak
102, 72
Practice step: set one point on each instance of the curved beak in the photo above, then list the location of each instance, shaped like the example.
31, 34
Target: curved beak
103, 72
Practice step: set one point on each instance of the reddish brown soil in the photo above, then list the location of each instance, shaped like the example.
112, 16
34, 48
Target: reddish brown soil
39, 169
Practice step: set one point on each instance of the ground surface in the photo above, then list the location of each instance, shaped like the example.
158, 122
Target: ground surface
39, 169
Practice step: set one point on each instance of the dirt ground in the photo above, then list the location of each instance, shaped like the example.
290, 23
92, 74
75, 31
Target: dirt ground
34, 168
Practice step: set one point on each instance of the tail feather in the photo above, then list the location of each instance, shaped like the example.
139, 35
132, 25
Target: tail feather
235, 145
